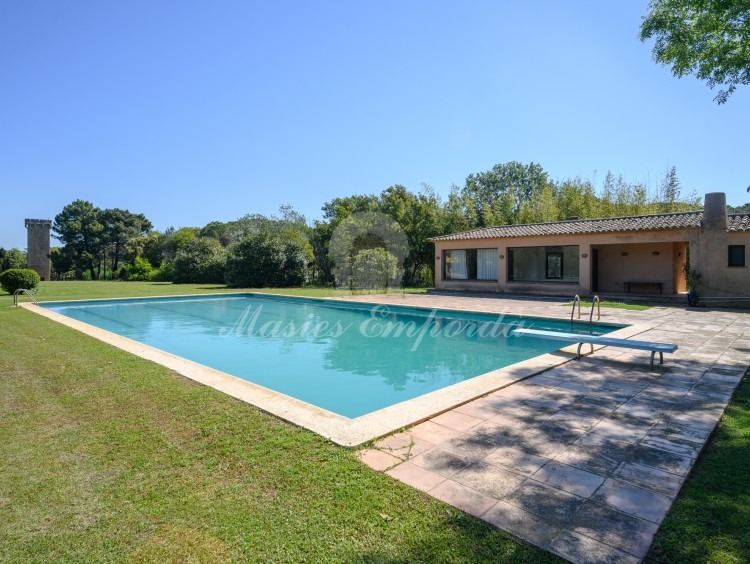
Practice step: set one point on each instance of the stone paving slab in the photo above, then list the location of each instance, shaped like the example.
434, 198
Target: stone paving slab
464, 498
416, 476
579, 548
519, 461
489, 479
569, 478
585, 459
624, 532
651, 478
521, 523
634, 500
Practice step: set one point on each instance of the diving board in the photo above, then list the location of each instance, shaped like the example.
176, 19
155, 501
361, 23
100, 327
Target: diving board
660, 348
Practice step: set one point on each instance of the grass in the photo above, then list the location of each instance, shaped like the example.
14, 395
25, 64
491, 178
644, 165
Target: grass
79, 290
710, 519
616, 305
108, 457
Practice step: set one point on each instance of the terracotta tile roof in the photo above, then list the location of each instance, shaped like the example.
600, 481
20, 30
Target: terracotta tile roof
656, 222
738, 222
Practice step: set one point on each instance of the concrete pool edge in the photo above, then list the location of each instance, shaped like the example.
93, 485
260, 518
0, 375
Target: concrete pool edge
338, 429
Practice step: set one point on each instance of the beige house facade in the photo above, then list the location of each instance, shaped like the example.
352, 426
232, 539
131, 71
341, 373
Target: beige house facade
626, 255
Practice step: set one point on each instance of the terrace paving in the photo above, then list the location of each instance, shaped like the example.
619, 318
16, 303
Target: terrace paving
583, 460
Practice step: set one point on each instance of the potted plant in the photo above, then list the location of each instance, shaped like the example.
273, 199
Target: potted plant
692, 280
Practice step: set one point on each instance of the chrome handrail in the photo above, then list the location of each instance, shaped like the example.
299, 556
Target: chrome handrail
23, 291
595, 302
576, 300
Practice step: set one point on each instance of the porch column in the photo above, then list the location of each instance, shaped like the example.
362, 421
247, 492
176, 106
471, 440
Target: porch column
502, 267
584, 269
438, 266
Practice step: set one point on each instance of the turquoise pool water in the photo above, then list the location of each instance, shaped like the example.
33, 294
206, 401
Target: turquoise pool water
348, 358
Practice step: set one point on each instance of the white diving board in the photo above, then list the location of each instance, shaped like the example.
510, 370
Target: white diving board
660, 348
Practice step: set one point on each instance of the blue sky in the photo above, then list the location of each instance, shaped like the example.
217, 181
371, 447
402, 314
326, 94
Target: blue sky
191, 112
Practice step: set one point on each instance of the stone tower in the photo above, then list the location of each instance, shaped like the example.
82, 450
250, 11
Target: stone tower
38, 246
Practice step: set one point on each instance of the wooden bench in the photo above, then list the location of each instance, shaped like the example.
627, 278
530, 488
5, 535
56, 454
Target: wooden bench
660, 348
629, 285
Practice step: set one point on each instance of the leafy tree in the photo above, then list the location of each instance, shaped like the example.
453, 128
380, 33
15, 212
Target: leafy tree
375, 269
62, 261
620, 198
707, 38
362, 231
267, 259
91, 236
149, 246
670, 189
669, 196
175, 240
119, 227
576, 197
291, 218
235, 231
498, 195
140, 270
320, 238
420, 217
334, 212
78, 226
12, 258
201, 260
216, 230
339, 209
459, 212
541, 207
745, 208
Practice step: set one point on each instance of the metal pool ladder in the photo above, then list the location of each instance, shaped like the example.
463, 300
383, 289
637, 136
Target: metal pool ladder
576, 300
23, 291
595, 302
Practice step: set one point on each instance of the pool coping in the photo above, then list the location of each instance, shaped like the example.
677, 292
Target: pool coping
340, 430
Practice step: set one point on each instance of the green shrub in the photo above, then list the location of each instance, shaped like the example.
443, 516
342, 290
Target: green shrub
141, 270
165, 272
268, 259
200, 261
16, 278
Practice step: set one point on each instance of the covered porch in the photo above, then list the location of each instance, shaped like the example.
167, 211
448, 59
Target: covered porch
639, 268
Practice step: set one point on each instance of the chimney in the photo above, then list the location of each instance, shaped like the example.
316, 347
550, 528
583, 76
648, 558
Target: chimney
715, 212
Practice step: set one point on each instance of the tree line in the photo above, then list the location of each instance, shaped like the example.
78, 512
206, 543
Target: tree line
12, 258
288, 250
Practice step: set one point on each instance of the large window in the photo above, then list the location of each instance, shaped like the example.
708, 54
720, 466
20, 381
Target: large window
543, 264
470, 264
736, 255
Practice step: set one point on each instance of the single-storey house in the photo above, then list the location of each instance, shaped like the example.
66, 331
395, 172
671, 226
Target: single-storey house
639, 254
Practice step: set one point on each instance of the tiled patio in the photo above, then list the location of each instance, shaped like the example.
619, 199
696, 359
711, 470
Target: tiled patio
583, 460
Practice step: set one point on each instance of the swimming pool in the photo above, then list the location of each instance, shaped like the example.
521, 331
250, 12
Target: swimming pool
351, 359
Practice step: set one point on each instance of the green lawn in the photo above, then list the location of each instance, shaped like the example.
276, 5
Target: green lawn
78, 290
108, 457
616, 305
